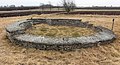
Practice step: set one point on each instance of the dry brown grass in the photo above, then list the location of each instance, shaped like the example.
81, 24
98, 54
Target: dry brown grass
59, 31
102, 55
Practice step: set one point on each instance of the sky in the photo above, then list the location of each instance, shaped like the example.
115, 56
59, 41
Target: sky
84, 3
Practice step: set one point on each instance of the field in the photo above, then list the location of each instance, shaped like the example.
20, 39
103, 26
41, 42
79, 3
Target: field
108, 54
102, 11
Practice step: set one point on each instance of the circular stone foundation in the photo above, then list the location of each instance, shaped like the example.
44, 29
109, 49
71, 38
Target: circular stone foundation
16, 32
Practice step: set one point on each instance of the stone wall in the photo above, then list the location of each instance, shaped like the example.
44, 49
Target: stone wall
16, 34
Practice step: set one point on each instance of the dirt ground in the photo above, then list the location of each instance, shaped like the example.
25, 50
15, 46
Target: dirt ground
109, 54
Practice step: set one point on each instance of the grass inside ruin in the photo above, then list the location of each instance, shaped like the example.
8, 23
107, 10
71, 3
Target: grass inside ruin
59, 31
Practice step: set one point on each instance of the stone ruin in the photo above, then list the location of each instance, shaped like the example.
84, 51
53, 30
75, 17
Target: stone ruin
16, 34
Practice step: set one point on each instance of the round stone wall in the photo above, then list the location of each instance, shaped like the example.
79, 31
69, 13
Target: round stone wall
16, 34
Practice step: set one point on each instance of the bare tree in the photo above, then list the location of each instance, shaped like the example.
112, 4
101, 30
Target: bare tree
68, 5
42, 6
58, 6
50, 5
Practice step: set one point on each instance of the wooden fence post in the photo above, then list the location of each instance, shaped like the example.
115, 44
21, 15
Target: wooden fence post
113, 24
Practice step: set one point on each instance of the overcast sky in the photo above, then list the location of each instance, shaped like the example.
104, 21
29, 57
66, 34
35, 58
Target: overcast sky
55, 2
